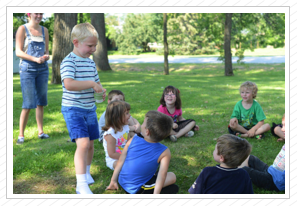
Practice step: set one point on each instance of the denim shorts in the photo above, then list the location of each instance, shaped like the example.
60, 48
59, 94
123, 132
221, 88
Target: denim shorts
81, 122
34, 83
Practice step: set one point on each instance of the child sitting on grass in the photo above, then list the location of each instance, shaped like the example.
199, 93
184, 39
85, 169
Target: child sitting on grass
247, 119
134, 126
264, 176
117, 131
136, 170
276, 130
171, 106
226, 178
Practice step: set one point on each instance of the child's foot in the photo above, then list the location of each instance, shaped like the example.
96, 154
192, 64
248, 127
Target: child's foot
259, 136
189, 134
173, 138
83, 189
241, 135
43, 136
20, 140
196, 128
90, 179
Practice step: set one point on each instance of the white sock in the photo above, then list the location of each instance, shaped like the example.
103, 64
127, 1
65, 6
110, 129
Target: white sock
82, 186
90, 179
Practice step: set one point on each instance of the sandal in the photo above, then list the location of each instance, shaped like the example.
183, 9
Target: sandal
260, 136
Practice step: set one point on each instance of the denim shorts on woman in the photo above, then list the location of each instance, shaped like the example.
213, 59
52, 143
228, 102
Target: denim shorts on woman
34, 81
81, 122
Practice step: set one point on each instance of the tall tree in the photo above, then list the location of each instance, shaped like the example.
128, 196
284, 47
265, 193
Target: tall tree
100, 56
227, 46
166, 70
62, 44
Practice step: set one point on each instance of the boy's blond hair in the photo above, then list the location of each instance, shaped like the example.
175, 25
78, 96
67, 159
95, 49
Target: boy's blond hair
83, 31
250, 85
234, 149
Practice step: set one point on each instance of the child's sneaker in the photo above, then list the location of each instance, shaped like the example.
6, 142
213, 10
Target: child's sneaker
20, 140
83, 189
43, 136
173, 138
190, 134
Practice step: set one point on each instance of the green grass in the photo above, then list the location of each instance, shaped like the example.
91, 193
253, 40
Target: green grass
46, 166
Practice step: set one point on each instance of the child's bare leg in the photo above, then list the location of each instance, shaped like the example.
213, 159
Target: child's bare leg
186, 129
90, 179
240, 129
262, 129
80, 163
278, 131
81, 155
170, 179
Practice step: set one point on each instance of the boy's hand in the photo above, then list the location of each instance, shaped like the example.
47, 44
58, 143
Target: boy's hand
196, 128
104, 94
233, 122
113, 186
97, 88
251, 133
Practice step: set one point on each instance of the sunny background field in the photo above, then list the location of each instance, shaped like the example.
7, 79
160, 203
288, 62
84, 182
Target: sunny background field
46, 166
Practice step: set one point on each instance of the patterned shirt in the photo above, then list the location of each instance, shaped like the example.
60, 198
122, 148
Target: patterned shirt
79, 69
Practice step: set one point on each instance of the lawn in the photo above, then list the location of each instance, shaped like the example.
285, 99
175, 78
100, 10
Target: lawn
46, 166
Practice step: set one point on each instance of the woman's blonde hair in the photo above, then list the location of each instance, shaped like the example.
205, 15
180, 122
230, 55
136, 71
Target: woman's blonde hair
249, 85
83, 31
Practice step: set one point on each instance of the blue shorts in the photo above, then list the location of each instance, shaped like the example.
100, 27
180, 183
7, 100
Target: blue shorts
81, 122
34, 85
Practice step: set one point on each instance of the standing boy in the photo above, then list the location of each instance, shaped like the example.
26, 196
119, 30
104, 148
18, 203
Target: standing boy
79, 81
136, 170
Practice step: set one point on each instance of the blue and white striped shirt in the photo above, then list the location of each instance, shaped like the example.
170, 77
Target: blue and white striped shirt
79, 69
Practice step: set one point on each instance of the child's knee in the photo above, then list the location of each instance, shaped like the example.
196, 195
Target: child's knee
266, 127
172, 177
83, 143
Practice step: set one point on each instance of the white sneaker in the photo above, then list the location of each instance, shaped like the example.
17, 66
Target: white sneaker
190, 134
90, 179
20, 140
83, 189
173, 138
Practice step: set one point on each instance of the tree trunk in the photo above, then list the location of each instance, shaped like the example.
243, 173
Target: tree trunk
166, 66
100, 56
62, 44
81, 18
227, 47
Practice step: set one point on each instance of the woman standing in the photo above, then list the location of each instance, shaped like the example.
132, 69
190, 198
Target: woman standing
32, 48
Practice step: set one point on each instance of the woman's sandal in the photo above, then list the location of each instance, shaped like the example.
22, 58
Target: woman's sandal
259, 136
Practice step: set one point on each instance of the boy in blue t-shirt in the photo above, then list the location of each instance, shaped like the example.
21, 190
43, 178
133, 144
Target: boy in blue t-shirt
226, 178
136, 170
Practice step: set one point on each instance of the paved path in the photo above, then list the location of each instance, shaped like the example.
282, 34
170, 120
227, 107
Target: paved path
160, 59
271, 59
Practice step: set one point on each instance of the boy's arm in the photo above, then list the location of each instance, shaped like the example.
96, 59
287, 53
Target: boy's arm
74, 85
114, 179
164, 164
134, 125
252, 131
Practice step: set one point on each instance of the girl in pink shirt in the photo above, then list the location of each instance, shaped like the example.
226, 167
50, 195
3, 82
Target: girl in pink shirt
171, 106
